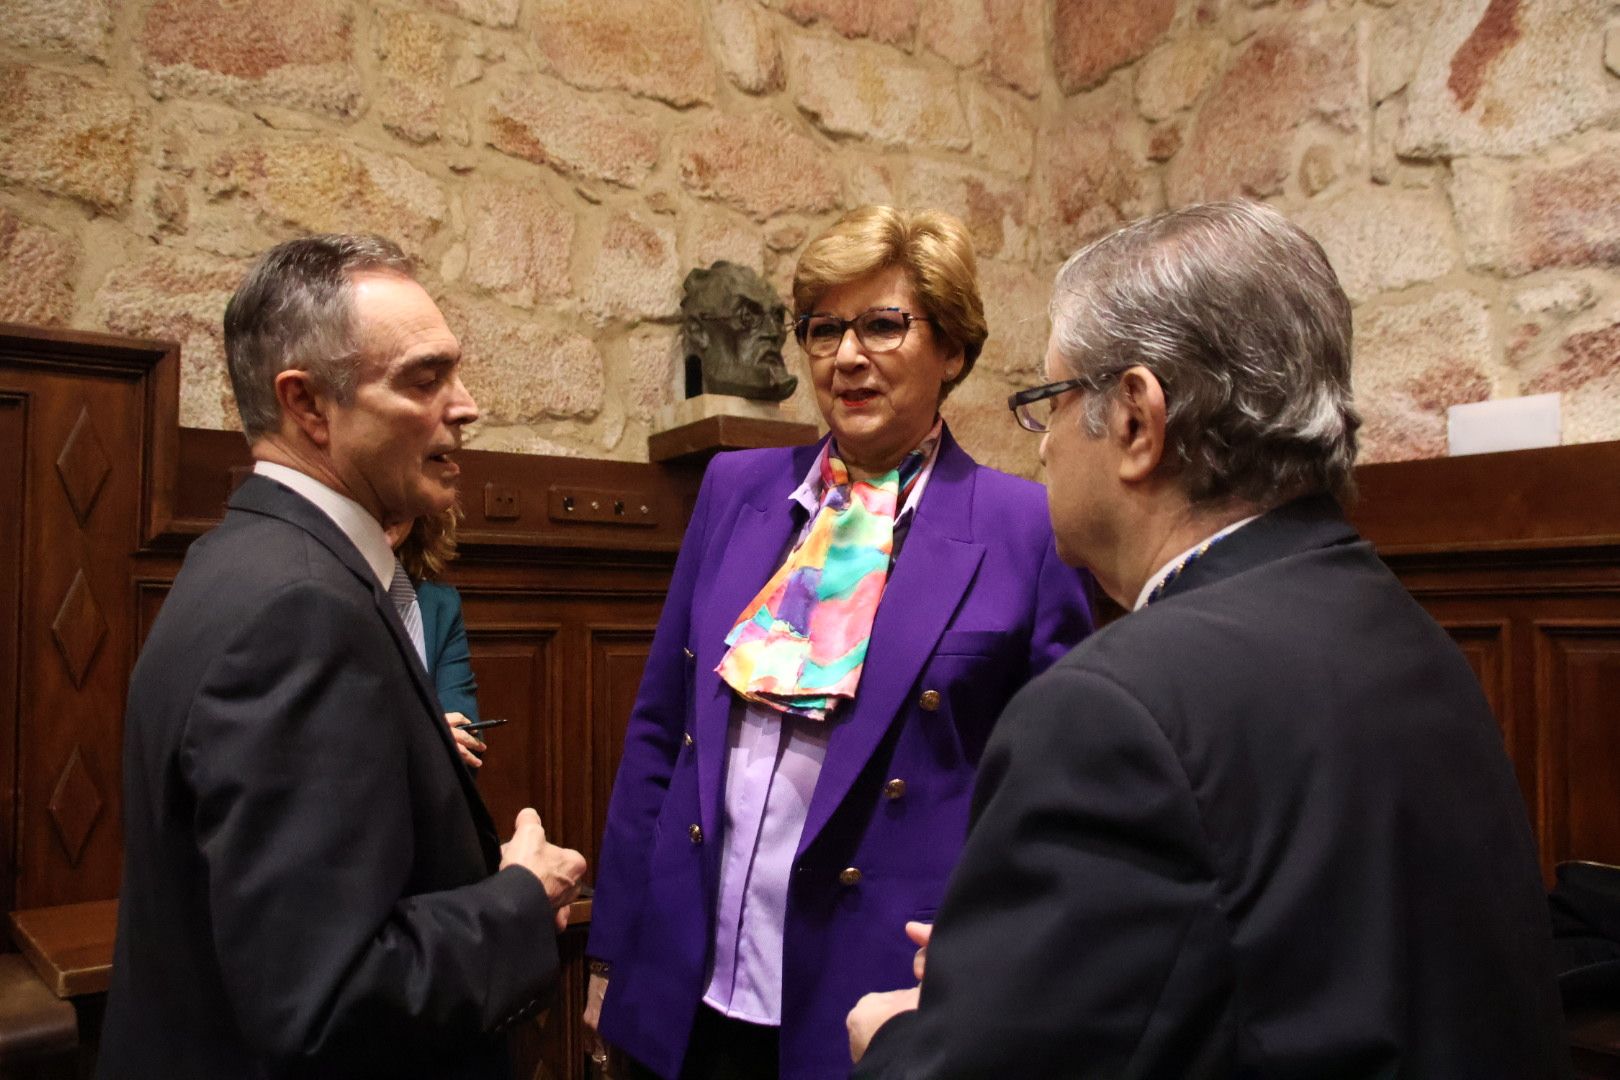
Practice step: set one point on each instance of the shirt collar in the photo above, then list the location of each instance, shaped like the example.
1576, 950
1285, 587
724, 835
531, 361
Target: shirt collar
808, 494
353, 519
1164, 571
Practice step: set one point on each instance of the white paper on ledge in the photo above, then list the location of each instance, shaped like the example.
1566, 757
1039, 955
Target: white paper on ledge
1486, 427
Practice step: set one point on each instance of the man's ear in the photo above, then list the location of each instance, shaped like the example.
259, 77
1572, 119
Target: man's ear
1136, 422
305, 404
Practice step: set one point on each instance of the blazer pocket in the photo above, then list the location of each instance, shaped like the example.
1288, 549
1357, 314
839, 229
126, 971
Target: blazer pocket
970, 643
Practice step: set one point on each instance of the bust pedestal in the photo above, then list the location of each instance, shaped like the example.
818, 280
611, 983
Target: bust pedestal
699, 427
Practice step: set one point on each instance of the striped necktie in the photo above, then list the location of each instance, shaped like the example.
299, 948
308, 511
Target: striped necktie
403, 594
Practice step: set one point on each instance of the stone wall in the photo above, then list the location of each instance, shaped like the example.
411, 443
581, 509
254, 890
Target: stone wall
558, 166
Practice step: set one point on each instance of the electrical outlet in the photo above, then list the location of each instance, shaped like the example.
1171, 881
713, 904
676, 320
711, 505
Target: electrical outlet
501, 503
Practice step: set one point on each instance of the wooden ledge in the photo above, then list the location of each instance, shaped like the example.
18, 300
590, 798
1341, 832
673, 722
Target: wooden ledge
71, 945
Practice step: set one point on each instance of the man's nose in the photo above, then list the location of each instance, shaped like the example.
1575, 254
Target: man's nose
463, 409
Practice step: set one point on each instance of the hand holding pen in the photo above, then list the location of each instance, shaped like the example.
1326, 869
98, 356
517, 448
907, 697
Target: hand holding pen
468, 743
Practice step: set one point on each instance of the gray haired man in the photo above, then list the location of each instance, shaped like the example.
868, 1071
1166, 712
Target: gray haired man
312, 885
1264, 824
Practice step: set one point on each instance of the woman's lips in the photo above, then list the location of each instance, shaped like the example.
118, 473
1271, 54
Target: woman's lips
854, 399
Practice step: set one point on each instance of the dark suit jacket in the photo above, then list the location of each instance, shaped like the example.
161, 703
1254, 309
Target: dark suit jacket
309, 874
449, 660
977, 602
1262, 828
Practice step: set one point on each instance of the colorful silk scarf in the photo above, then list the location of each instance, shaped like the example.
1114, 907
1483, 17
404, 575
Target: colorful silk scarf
800, 644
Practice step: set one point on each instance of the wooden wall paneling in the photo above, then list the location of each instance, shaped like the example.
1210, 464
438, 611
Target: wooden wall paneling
518, 673
90, 463
616, 659
1577, 679
13, 442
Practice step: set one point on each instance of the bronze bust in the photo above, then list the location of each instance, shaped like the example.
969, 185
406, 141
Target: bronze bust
733, 326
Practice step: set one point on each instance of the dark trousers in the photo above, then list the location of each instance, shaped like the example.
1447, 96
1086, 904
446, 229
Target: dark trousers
724, 1049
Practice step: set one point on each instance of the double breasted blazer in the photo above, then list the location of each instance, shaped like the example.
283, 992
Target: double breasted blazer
310, 877
976, 603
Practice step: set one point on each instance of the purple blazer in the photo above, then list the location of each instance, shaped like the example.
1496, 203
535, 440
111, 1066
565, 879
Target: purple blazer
977, 603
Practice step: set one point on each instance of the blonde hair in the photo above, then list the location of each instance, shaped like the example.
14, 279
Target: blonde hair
932, 247
430, 545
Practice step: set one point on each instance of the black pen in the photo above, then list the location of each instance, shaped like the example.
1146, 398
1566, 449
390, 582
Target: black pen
478, 725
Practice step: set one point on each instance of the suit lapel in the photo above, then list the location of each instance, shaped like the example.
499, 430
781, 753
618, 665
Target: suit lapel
751, 550
430, 626
261, 495
934, 571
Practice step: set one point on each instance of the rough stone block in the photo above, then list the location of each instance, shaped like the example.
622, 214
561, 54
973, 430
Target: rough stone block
79, 27
1381, 240
518, 242
994, 209
957, 30
1003, 132
1090, 38
1555, 298
543, 121
1611, 49
850, 90
1412, 362
414, 60
180, 297
1090, 174
1395, 41
652, 370
1018, 43
297, 53
1015, 306
893, 22
36, 273
749, 53
520, 371
1173, 77
760, 164
65, 136
1242, 140
637, 273
485, 12
710, 234
1584, 357
319, 185
1540, 216
1506, 77
649, 47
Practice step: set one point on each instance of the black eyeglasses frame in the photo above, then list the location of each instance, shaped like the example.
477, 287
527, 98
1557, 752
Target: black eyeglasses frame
1017, 401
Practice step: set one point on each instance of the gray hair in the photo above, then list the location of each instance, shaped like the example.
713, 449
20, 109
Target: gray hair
295, 311
1238, 314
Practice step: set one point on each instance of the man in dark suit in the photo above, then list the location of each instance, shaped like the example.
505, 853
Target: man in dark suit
312, 886
1263, 826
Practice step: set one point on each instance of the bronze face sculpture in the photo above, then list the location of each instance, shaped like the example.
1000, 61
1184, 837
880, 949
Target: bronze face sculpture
733, 326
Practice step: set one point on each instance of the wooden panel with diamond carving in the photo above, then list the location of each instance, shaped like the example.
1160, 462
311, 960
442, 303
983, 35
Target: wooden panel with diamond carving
83, 466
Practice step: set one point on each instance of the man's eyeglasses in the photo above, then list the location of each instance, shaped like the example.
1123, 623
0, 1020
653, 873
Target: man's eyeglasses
879, 330
1034, 407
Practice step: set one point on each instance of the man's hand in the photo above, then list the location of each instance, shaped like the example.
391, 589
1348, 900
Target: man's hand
919, 933
558, 868
468, 744
872, 1012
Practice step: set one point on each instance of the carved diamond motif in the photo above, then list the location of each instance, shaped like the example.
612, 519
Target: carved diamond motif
78, 629
83, 466
75, 806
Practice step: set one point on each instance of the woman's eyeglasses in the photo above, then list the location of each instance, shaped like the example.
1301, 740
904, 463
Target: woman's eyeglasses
1033, 408
879, 330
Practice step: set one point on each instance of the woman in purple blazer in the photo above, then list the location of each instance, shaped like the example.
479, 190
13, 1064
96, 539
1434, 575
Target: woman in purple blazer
844, 625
